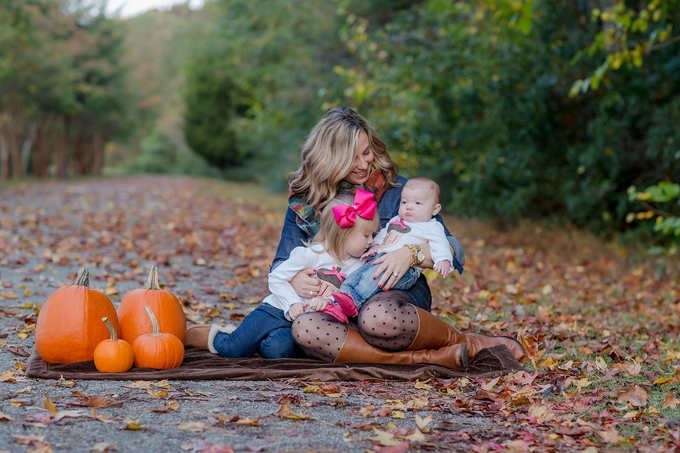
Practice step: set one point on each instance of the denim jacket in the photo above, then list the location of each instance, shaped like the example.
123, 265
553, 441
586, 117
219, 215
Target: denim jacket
292, 236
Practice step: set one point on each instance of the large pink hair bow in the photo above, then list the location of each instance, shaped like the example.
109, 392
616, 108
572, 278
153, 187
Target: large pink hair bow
364, 206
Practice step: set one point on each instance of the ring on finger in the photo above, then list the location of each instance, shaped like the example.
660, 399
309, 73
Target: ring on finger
395, 274
311, 293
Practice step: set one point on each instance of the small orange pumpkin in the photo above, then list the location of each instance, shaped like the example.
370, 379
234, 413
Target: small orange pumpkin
113, 355
157, 350
165, 305
69, 325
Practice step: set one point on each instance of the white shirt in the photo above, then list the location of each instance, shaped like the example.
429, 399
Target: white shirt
282, 293
431, 232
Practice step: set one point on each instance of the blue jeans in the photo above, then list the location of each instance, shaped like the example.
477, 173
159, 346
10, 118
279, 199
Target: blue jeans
361, 286
265, 329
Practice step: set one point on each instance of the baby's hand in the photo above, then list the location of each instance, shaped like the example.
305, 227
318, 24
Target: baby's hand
318, 303
297, 309
444, 268
370, 253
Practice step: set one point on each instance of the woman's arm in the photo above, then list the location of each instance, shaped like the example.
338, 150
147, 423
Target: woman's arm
291, 236
304, 283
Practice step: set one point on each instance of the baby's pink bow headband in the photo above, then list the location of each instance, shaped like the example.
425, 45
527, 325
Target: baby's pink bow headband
364, 206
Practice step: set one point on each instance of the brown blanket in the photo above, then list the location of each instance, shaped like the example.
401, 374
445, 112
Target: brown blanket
200, 364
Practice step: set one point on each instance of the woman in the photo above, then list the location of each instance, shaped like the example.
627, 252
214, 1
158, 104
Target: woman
342, 153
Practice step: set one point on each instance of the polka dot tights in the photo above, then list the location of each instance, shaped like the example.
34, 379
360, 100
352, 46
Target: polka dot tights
319, 335
387, 321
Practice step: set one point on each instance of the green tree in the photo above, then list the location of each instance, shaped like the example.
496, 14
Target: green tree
279, 57
476, 95
211, 99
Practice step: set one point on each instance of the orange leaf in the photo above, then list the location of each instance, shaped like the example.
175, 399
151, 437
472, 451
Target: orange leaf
636, 397
670, 401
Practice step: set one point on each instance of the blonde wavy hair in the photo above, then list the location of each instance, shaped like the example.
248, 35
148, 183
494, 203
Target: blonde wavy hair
331, 236
328, 154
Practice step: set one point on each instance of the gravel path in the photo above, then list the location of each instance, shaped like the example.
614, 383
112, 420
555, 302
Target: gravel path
213, 248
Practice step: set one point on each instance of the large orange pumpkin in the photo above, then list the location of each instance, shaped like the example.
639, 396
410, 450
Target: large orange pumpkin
168, 310
156, 349
70, 326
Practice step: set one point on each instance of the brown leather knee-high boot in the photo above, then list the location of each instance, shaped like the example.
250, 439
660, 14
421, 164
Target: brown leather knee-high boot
355, 349
433, 333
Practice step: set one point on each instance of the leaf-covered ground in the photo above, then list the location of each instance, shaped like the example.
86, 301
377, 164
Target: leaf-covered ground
601, 325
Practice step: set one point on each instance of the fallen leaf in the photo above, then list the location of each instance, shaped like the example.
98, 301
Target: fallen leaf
8, 376
174, 405
384, 438
72, 414
662, 380
103, 447
156, 394
139, 385
285, 411
422, 423
164, 384
417, 436
636, 397
99, 401
133, 425
49, 405
249, 421
205, 447
28, 439
491, 384
670, 401
611, 435
422, 385
195, 427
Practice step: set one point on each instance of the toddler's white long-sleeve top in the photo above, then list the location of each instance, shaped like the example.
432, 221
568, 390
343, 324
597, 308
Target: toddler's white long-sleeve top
283, 294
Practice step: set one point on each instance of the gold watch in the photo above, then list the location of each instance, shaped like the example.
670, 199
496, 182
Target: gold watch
417, 255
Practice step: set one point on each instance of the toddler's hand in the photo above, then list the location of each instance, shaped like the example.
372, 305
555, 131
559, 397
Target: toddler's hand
318, 303
370, 253
296, 310
444, 268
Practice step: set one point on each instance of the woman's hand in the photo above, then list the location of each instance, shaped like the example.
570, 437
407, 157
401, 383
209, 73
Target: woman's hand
305, 283
396, 262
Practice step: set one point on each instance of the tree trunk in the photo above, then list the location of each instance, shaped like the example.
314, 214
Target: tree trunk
97, 152
43, 147
27, 146
61, 147
4, 157
14, 148
4, 148
78, 155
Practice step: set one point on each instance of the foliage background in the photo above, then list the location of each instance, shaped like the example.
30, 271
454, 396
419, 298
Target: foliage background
521, 109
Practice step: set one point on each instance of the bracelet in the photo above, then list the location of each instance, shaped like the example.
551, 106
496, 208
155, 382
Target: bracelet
417, 255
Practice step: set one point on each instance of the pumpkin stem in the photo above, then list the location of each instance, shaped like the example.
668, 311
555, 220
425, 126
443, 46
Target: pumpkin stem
83, 277
155, 328
152, 281
112, 330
